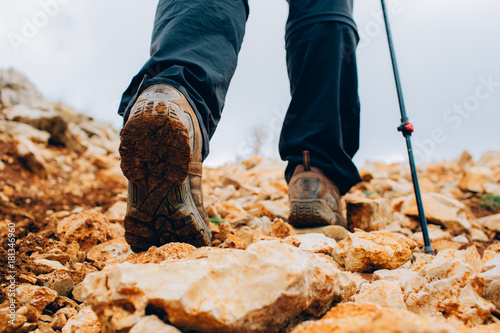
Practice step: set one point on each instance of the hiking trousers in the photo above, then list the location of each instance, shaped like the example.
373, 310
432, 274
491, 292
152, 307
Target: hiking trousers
194, 48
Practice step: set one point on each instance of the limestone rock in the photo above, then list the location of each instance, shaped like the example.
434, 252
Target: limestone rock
478, 235
487, 256
442, 210
280, 229
475, 178
490, 159
401, 275
220, 290
117, 211
491, 222
156, 255
492, 263
85, 321
316, 243
45, 120
50, 264
491, 276
336, 232
450, 287
61, 317
435, 235
385, 293
367, 214
17, 89
112, 249
75, 138
464, 160
17, 129
153, 324
367, 252
371, 318
38, 297
88, 228
274, 209
231, 211
10, 321
58, 281
31, 155
461, 239
492, 286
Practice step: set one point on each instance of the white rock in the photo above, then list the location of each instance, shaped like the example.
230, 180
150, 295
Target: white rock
492, 263
85, 321
402, 275
492, 285
370, 318
474, 179
385, 293
38, 297
316, 243
153, 324
461, 239
491, 222
17, 129
442, 210
434, 236
44, 120
336, 232
449, 286
51, 264
478, 235
214, 290
367, 252
117, 211
17, 89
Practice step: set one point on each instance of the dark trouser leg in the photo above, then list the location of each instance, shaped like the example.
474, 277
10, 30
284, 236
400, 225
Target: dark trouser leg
194, 48
323, 116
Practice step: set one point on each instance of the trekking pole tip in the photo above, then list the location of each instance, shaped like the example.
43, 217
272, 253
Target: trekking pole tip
428, 250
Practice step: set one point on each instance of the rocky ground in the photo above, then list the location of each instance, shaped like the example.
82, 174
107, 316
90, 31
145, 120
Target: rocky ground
69, 269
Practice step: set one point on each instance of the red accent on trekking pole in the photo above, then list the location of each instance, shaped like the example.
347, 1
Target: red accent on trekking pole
406, 128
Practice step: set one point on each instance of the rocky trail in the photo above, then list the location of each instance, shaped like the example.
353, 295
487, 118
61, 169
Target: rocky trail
65, 265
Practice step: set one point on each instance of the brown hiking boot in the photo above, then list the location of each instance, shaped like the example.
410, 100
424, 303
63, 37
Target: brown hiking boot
314, 199
161, 157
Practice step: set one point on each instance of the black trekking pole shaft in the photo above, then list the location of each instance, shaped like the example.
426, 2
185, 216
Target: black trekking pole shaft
406, 128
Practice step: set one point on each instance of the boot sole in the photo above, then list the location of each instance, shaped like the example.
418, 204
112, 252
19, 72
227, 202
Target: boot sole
307, 213
155, 154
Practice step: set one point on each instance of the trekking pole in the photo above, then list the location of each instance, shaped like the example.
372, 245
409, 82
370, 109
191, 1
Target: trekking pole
406, 128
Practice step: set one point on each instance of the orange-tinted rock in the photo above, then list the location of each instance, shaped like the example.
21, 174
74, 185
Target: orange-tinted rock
367, 214
158, 254
450, 287
280, 229
38, 297
220, 290
371, 318
367, 252
387, 294
85, 321
88, 228
112, 249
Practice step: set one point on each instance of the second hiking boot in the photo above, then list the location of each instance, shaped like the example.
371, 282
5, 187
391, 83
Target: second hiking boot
161, 157
314, 199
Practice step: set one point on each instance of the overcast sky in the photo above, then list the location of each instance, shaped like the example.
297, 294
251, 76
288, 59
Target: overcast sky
85, 52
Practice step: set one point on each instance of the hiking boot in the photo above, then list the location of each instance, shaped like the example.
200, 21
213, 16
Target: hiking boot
161, 157
314, 199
